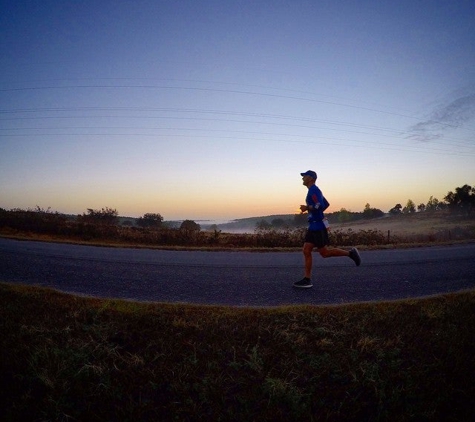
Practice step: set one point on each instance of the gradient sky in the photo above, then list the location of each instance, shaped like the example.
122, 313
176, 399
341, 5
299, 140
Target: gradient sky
211, 109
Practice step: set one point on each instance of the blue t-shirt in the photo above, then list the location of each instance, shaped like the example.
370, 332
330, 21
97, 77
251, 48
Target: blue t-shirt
315, 217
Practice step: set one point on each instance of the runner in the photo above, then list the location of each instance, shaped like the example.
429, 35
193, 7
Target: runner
317, 233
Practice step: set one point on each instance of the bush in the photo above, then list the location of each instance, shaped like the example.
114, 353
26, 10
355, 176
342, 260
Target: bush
105, 216
36, 221
361, 237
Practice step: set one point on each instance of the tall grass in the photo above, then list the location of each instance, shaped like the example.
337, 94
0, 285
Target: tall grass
64, 357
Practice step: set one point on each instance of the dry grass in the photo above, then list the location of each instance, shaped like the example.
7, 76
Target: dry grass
416, 229
64, 357
413, 224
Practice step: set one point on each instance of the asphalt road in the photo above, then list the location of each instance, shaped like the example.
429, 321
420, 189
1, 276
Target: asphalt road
236, 278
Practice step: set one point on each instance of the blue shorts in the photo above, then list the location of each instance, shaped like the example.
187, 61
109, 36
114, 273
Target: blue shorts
318, 238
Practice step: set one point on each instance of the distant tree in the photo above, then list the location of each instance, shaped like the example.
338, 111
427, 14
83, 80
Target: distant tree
396, 209
421, 207
344, 215
367, 211
150, 220
372, 212
433, 204
462, 200
189, 226
410, 207
40, 210
451, 200
106, 216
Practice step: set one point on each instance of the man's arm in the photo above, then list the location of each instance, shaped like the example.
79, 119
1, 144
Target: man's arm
314, 201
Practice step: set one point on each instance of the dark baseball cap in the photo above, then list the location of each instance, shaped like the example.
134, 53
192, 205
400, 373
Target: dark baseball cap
310, 173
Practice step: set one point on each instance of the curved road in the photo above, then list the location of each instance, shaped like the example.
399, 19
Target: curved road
236, 278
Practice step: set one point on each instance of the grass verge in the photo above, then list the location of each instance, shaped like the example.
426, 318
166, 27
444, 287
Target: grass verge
65, 357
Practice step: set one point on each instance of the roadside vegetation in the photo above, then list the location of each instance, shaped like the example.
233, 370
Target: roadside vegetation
391, 231
66, 358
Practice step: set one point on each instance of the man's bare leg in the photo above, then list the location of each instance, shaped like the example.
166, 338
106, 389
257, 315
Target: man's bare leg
307, 253
327, 252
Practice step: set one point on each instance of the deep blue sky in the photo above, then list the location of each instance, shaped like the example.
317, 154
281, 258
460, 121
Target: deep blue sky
211, 109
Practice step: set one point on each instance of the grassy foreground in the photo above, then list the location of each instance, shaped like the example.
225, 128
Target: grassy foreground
65, 357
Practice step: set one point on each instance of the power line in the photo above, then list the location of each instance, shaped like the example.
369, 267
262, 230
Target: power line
387, 132
461, 143
357, 143
228, 91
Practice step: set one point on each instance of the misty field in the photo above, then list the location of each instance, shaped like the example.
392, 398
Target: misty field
415, 228
415, 224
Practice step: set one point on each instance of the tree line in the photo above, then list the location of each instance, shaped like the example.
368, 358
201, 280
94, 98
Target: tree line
110, 216
460, 201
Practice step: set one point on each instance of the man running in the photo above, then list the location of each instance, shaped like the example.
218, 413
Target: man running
317, 233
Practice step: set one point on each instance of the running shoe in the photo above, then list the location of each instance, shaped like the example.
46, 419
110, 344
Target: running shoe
305, 283
355, 256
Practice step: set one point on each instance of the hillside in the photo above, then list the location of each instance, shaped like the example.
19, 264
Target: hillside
249, 224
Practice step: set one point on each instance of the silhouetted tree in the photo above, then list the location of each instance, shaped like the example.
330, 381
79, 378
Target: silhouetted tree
189, 226
106, 216
150, 220
396, 209
462, 200
410, 207
344, 215
372, 212
433, 204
